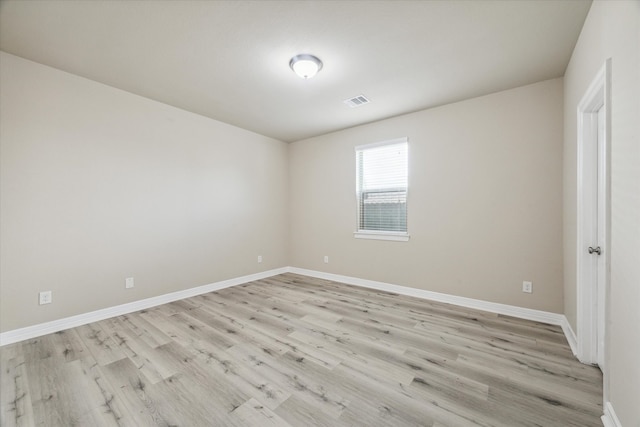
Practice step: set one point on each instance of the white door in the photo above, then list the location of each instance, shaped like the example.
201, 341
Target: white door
594, 188
601, 215
593, 219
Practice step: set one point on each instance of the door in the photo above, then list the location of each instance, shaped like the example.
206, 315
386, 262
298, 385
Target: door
593, 219
600, 233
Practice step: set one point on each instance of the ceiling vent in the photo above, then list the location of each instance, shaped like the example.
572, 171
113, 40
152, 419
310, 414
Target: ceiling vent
356, 101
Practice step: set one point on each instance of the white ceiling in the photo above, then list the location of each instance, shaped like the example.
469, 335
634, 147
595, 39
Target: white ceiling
229, 60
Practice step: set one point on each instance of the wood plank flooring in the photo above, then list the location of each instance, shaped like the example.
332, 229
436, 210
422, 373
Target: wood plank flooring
297, 351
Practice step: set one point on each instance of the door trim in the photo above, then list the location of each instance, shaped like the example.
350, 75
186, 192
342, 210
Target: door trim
597, 96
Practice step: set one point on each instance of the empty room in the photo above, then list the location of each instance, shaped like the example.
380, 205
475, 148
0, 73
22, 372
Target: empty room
320, 213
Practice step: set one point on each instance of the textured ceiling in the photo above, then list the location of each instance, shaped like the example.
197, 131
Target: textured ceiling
229, 60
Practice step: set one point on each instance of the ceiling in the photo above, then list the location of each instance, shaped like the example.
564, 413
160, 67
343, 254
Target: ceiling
229, 60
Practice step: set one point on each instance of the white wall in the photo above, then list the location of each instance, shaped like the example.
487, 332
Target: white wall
611, 30
485, 200
98, 184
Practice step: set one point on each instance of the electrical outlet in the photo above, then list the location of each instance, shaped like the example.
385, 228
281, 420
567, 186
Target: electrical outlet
128, 283
527, 287
326, 259
259, 258
46, 297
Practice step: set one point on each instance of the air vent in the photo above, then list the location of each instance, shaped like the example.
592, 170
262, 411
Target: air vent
356, 101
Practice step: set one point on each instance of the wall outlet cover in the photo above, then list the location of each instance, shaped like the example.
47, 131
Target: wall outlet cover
46, 297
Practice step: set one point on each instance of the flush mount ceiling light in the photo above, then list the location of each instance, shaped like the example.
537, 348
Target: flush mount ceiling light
305, 65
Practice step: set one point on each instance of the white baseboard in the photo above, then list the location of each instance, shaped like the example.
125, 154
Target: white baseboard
571, 336
509, 310
29, 332
610, 419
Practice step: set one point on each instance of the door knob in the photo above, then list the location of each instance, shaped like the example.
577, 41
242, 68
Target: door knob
596, 250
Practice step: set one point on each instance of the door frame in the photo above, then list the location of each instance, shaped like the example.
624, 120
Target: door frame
597, 96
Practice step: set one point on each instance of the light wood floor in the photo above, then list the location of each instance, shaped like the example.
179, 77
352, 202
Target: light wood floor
297, 351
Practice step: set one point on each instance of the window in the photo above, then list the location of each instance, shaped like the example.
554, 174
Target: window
381, 186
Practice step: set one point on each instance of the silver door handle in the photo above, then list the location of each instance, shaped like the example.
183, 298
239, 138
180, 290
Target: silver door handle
596, 250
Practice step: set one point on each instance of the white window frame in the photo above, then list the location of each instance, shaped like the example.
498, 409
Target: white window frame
398, 236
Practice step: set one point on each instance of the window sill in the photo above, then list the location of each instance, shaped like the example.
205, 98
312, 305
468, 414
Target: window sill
381, 235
